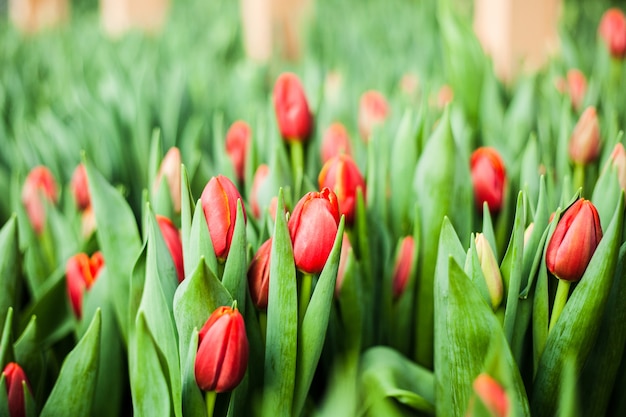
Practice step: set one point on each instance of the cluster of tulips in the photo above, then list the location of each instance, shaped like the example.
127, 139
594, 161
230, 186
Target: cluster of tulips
426, 272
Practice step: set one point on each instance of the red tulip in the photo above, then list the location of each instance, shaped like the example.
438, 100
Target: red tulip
313, 227
171, 235
259, 192
445, 95
618, 162
574, 241
259, 275
488, 178
373, 111
219, 202
222, 355
238, 140
336, 141
39, 184
80, 187
295, 120
403, 264
342, 175
612, 30
81, 272
170, 170
584, 144
15, 378
576, 87
492, 395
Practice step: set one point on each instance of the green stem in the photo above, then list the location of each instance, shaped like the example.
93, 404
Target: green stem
306, 287
560, 299
209, 398
579, 177
263, 324
297, 164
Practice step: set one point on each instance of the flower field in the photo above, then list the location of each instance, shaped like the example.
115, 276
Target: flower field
380, 228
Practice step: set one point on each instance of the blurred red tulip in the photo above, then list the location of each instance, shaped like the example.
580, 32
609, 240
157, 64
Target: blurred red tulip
492, 395
238, 140
170, 170
342, 175
445, 95
259, 192
346, 248
81, 272
259, 275
80, 187
488, 178
576, 87
295, 120
336, 141
15, 378
405, 259
612, 30
171, 235
584, 144
618, 161
39, 184
373, 111
313, 227
222, 356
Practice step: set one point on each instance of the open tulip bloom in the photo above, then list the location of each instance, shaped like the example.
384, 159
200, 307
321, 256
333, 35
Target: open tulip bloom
186, 231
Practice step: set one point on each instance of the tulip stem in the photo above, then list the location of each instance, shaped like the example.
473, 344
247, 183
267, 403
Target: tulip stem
579, 176
306, 286
209, 398
263, 324
562, 292
297, 164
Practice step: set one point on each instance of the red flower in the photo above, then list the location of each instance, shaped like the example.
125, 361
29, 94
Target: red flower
259, 192
618, 162
219, 202
584, 144
170, 170
488, 178
222, 355
238, 140
373, 111
576, 87
259, 275
171, 235
574, 241
39, 184
313, 227
342, 175
402, 269
15, 378
612, 30
336, 141
80, 187
81, 272
294, 118
492, 395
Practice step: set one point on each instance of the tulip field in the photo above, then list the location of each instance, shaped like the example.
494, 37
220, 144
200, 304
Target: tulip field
382, 227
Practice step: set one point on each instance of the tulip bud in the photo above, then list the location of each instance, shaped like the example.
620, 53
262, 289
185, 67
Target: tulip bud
342, 175
492, 395
313, 227
222, 355
88, 222
373, 111
80, 187
491, 270
612, 30
445, 95
295, 120
346, 248
259, 275
170, 169
238, 140
219, 202
259, 193
81, 272
618, 162
409, 84
336, 141
574, 241
488, 178
576, 87
15, 378
528, 233
405, 259
171, 235
39, 184
584, 144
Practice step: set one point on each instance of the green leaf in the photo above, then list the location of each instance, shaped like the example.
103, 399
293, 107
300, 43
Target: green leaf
578, 325
200, 243
193, 401
29, 352
315, 323
10, 289
235, 278
6, 343
282, 324
74, 390
4, 400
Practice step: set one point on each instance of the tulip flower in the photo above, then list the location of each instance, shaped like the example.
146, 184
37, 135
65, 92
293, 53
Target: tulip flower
490, 269
584, 144
488, 178
170, 170
445, 95
342, 175
259, 192
574, 241
295, 120
612, 31
80, 187
259, 275
39, 184
492, 395
313, 227
238, 140
373, 111
219, 202
15, 378
81, 272
576, 87
336, 141
618, 161
405, 259
171, 235
222, 355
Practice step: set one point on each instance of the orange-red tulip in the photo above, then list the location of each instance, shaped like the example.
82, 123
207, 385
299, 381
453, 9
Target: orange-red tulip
342, 175
488, 178
40, 184
171, 235
238, 140
295, 120
81, 272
